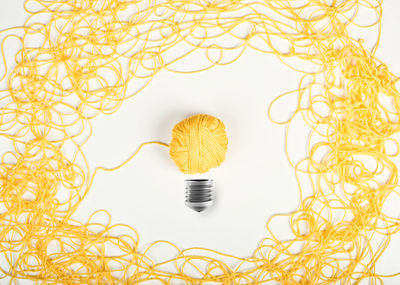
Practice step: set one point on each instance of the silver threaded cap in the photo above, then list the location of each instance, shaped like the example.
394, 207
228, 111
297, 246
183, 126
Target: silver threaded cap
199, 194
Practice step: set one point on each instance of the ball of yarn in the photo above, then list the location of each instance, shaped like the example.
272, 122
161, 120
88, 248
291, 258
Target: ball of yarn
198, 144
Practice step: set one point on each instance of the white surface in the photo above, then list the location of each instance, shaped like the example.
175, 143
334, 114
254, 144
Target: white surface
256, 180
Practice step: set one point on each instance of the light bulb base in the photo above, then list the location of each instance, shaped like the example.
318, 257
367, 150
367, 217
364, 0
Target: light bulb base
199, 194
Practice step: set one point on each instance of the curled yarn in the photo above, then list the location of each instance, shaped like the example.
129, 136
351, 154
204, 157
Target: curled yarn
83, 58
198, 144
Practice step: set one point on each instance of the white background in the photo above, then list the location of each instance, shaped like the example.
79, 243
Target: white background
255, 181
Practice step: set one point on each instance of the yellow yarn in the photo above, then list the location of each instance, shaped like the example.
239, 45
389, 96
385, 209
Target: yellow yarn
90, 51
198, 144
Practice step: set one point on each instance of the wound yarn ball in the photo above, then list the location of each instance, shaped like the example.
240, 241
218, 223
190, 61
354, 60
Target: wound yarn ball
198, 144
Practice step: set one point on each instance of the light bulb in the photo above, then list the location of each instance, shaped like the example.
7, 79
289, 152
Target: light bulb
199, 194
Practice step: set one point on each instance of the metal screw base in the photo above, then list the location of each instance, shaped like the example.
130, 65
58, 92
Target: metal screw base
199, 194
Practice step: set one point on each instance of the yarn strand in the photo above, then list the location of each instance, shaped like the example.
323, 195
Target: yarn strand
79, 59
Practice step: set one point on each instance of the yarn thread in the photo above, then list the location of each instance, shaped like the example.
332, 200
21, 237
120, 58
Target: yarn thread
82, 58
198, 144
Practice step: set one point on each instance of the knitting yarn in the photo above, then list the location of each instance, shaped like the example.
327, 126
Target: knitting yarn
198, 144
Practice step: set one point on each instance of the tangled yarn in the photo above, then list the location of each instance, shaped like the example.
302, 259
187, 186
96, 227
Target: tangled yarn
79, 59
198, 144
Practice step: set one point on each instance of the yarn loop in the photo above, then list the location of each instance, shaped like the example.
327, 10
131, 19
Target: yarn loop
198, 144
